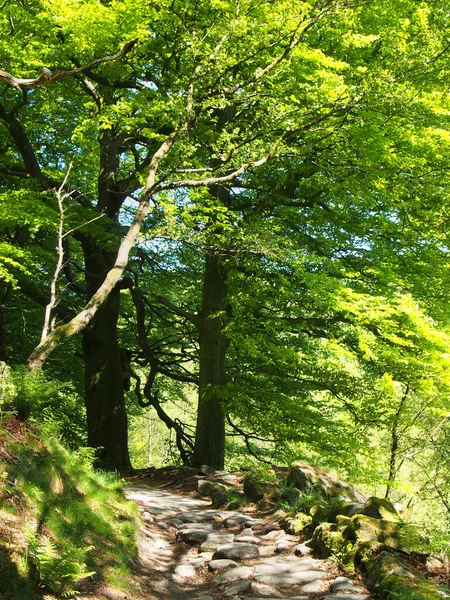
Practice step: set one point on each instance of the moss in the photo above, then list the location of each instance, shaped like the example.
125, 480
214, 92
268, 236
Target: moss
380, 508
403, 588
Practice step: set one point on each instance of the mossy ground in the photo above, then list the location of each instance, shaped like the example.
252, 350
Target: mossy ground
59, 520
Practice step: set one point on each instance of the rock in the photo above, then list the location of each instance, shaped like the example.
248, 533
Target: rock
327, 539
237, 519
304, 476
197, 526
272, 535
380, 508
296, 524
219, 496
341, 584
192, 536
206, 470
282, 546
346, 597
197, 563
246, 531
302, 550
314, 587
291, 495
147, 517
186, 471
290, 578
206, 487
237, 551
204, 598
238, 588
190, 517
264, 590
236, 574
185, 571
221, 564
383, 566
256, 490
213, 540
248, 539
174, 522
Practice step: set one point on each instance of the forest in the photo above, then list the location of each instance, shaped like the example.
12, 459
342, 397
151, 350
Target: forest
224, 235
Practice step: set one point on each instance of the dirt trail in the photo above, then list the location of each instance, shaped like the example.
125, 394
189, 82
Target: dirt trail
191, 551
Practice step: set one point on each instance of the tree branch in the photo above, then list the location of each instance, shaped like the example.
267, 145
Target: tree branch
48, 76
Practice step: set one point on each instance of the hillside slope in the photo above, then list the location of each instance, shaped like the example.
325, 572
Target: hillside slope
63, 526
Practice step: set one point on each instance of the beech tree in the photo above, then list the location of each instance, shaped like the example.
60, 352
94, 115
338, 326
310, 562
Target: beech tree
243, 126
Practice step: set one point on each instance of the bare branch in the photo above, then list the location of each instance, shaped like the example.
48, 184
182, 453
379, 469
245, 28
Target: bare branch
48, 76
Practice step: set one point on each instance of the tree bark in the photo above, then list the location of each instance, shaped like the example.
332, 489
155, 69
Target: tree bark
210, 433
104, 389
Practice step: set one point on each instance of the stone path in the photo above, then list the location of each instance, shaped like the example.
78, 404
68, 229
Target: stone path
189, 550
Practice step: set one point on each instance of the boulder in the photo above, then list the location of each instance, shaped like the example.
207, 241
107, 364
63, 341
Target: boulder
216, 491
305, 477
256, 490
205, 470
380, 508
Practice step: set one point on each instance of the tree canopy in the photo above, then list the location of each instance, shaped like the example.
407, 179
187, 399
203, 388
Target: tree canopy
248, 202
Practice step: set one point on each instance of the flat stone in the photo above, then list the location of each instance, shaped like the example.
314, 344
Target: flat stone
236, 574
213, 540
314, 587
288, 565
272, 535
197, 563
192, 536
237, 588
283, 546
174, 522
185, 571
190, 517
237, 519
197, 526
302, 550
263, 590
291, 578
346, 597
249, 539
344, 584
221, 564
237, 551
204, 598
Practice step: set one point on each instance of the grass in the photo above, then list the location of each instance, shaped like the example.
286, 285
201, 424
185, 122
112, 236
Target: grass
61, 521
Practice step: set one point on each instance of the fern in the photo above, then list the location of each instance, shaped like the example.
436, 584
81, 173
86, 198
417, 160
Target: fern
59, 571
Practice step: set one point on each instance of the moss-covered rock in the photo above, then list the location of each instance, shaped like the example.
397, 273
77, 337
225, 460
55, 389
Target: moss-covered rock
297, 523
305, 477
258, 490
380, 508
328, 539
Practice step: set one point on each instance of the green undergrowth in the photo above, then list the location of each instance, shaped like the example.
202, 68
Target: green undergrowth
64, 527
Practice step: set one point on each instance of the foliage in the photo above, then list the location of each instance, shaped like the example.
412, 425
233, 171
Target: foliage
60, 573
69, 519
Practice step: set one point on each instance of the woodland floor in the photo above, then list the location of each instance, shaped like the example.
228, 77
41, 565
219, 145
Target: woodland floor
171, 569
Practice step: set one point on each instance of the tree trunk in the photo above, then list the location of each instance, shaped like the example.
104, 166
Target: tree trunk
210, 433
104, 374
104, 389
